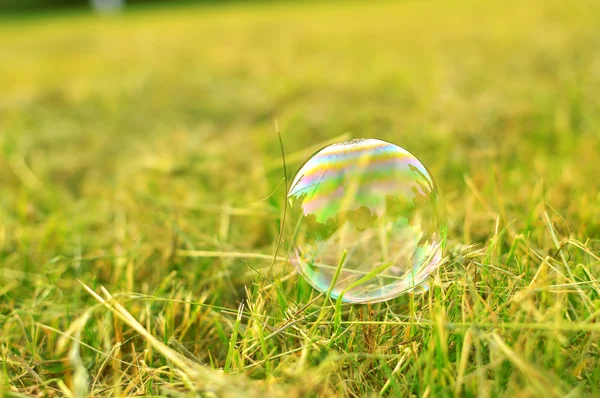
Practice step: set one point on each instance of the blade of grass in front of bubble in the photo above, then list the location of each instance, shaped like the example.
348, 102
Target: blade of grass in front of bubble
370, 275
332, 285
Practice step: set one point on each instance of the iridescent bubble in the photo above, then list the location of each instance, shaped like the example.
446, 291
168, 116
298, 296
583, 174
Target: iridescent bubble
366, 221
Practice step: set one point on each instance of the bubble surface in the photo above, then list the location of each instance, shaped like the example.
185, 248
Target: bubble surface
366, 221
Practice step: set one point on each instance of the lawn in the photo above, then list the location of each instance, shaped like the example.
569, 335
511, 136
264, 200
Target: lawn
142, 193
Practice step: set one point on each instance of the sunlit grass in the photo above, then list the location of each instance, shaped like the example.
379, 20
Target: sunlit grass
141, 194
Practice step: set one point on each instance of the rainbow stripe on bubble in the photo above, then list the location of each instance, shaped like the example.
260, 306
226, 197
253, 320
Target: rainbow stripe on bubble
368, 170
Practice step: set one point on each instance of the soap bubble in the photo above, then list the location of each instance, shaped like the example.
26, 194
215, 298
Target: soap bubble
366, 221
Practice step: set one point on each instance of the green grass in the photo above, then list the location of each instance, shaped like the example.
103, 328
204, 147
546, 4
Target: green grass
141, 197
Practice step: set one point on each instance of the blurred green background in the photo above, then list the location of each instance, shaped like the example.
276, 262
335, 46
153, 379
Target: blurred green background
64, 5
138, 151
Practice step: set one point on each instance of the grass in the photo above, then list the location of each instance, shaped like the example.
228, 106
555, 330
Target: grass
142, 192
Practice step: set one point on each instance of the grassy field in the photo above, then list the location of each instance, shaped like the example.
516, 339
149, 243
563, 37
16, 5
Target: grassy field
141, 196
